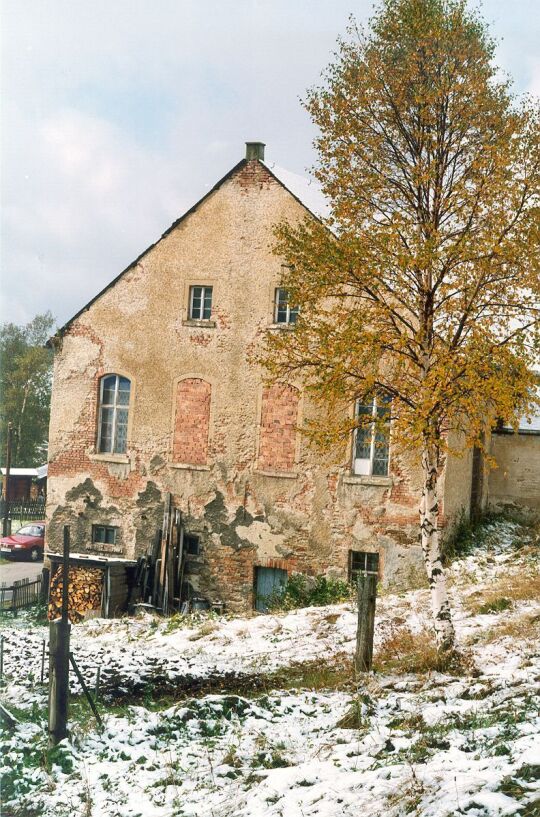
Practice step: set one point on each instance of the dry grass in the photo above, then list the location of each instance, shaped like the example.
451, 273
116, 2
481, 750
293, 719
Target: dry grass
207, 628
409, 796
406, 652
357, 716
508, 589
519, 628
337, 673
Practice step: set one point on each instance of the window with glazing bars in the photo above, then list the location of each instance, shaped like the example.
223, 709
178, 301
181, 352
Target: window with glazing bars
200, 303
371, 447
104, 534
113, 414
362, 562
283, 312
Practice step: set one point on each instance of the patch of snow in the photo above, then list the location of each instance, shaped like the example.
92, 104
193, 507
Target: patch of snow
308, 191
434, 745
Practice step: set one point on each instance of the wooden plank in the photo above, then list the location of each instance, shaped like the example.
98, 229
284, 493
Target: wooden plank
85, 690
165, 541
171, 557
6, 716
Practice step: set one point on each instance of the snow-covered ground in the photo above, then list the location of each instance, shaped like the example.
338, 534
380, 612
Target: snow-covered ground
252, 744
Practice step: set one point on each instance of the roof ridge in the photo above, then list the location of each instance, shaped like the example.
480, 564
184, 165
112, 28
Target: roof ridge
237, 167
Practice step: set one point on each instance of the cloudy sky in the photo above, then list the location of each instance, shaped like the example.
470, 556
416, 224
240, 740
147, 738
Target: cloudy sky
117, 115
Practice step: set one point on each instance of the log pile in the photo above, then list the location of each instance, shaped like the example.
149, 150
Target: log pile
85, 588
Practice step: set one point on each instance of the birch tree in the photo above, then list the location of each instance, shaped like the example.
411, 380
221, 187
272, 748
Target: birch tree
423, 285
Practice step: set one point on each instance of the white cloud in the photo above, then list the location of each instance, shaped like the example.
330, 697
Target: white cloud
534, 81
88, 201
117, 116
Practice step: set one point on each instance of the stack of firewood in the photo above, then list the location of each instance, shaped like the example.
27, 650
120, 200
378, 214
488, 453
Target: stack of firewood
85, 587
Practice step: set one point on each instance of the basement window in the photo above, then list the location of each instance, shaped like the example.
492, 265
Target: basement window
191, 544
372, 443
362, 562
283, 312
200, 303
103, 534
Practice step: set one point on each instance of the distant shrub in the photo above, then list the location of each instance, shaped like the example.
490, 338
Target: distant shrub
305, 591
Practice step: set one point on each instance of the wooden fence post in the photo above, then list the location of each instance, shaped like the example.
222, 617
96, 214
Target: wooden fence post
59, 632
44, 589
367, 595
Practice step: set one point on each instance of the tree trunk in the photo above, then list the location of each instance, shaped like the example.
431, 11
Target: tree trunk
431, 548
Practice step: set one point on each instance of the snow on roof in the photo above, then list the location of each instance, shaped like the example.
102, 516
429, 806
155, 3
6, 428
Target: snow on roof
91, 557
21, 472
308, 191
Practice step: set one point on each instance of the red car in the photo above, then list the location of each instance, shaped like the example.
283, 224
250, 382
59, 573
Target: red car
27, 543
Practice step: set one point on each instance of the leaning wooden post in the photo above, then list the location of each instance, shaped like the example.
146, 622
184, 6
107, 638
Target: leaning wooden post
59, 631
367, 595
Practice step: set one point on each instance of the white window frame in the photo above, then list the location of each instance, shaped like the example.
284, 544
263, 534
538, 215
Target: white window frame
115, 406
363, 466
278, 301
204, 289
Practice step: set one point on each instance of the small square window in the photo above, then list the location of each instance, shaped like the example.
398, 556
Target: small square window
362, 562
191, 544
104, 534
283, 312
200, 303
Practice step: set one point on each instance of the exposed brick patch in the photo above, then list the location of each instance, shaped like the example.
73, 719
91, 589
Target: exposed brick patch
279, 419
254, 174
192, 422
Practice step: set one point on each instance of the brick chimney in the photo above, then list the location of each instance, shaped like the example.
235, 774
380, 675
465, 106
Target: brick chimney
255, 150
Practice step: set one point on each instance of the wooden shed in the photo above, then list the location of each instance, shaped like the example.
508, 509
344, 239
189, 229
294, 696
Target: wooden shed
99, 586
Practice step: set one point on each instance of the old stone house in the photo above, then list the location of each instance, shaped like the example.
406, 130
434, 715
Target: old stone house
155, 394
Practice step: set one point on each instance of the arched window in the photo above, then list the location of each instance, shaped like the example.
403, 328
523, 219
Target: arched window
113, 414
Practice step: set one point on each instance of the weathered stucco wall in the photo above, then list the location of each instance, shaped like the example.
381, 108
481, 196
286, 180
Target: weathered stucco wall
457, 484
247, 508
516, 480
